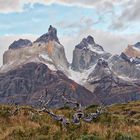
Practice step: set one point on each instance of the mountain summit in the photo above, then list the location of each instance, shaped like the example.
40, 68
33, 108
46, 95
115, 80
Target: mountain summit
86, 54
49, 36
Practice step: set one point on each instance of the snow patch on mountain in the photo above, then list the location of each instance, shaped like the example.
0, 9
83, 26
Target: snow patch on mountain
95, 49
80, 76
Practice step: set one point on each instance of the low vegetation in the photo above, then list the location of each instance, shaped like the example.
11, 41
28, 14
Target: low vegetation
117, 122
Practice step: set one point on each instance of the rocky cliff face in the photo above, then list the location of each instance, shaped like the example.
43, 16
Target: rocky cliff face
86, 54
125, 66
133, 50
26, 84
46, 49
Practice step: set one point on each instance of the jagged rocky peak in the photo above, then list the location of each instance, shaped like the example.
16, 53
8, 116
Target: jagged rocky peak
45, 49
20, 43
101, 70
49, 36
86, 54
85, 42
102, 63
89, 41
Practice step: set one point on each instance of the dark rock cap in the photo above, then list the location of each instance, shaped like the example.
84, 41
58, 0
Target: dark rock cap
102, 62
90, 39
125, 57
85, 42
137, 45
49, 36
26, 84
132, 60
20, 43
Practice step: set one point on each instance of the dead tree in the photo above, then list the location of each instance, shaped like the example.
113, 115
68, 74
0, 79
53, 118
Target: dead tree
92, 116
17, 108
79, 112
64, 121
76, 117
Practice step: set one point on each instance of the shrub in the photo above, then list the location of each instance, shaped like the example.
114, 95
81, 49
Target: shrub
17, 134
42, 137
121, 136
92, 107
44, 130
34, 117
90, 137
5, 113
64, 107
57, 135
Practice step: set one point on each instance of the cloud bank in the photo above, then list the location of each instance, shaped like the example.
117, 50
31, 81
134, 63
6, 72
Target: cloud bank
18, 5
128, 9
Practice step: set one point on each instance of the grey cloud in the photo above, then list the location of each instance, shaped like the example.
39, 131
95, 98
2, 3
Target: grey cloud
117, 24
133, 12
74, 27
130, 13
79, 23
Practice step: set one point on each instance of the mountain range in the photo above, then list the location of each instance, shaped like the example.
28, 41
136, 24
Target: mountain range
40, 69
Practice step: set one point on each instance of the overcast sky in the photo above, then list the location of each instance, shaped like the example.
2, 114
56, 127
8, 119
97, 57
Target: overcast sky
113, 23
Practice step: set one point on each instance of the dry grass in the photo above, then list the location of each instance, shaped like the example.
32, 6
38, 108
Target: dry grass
119, 122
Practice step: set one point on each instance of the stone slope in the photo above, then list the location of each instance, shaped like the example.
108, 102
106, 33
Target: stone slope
28, 83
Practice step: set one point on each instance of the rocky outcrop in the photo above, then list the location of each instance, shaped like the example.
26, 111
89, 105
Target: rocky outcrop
26, 84
86, 54
133, 60
110, 88
20, 43
133, 50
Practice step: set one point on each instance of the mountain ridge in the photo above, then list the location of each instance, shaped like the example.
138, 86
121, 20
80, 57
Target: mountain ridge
89, 59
